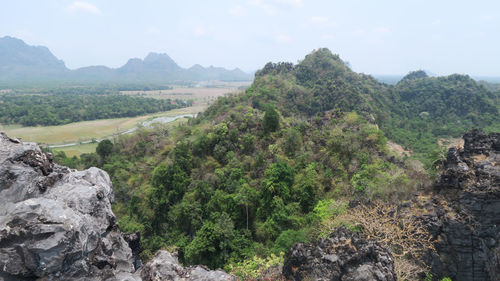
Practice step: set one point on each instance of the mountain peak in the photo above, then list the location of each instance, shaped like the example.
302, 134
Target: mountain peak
418, 74
324, 59
160, 61
15, 54
21, 62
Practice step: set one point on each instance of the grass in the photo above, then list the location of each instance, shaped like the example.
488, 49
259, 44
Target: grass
87, 130
200, 95
105, 128
77, 150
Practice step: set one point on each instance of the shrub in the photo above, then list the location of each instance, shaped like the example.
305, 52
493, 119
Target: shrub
251, 269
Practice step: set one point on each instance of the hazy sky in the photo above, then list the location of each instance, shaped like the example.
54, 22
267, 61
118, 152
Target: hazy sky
375, 36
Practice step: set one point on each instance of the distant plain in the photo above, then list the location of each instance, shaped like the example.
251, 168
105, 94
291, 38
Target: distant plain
98, 129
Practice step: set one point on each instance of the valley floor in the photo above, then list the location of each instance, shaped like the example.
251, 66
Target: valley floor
87, 130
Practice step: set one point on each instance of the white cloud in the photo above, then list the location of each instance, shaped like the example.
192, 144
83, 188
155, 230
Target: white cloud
283, 38
86, 7
237, 11
436, 22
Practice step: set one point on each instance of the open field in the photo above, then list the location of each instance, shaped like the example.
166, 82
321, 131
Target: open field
98, 129
77, 150
87, 130
199, 95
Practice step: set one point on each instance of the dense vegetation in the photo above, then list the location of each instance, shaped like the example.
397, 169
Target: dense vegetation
224, 193
252, 174
415, 112
426, 108
261, 170
58, 109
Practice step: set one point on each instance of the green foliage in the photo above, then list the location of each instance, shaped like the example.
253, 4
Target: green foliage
104, 148
271, 120
429, 277
212, 243
277, 185
427, 108
286, 239
169, 185
293, 142
259, 171
326, 209
254, 267
306, 188
64, 108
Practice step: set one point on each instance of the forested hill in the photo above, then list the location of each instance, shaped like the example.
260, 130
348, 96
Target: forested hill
321, 82
415, 112
425, 108
259, 171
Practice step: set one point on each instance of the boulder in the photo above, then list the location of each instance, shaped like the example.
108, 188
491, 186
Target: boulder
344, 256
56, 224
165, 266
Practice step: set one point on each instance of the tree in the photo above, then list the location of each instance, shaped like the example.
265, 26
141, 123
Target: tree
104, 148
278, 181
170, 183
305, 188
212, 243
293, 142
271, 120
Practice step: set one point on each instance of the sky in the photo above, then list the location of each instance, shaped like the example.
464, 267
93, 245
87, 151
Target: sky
375, 37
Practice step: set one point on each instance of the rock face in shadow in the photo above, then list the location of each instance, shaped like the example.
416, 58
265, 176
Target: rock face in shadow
57, 224
165, 266
344, 256
466, 211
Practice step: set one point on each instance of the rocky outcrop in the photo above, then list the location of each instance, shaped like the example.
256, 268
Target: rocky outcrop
465, 216
57, 224
344, 256
165, 266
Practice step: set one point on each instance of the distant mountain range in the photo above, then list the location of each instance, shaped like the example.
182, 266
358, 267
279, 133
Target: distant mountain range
20, 62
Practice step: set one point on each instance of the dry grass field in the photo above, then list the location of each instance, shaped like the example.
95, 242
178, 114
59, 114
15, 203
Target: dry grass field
199, 95
98, 129
77, 150
87, 130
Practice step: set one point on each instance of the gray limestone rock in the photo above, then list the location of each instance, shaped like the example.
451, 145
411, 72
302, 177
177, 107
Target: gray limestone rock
57, 224
165, 266
466, 208
344, 256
